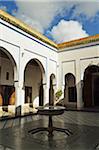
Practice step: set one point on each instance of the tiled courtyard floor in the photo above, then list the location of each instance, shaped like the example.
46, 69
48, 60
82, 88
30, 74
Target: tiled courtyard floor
84, 125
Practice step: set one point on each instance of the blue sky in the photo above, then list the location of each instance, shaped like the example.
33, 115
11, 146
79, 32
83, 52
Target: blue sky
59, 20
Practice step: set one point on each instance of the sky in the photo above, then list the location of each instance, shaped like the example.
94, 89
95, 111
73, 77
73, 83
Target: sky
59, 20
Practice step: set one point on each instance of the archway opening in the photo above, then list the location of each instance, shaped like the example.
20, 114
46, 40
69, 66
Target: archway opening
52, 89
7, 75
70, 92
91, 86
33, 83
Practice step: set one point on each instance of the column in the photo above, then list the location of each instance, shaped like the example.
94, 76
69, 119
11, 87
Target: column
46, 83
65, 95
78, 85
19, 85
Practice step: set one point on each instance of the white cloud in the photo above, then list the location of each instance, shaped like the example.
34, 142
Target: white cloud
3, 8
67, 30
33, 23
89, 8
38, 14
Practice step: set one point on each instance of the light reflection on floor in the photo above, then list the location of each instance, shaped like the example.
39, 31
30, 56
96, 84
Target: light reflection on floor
84, 125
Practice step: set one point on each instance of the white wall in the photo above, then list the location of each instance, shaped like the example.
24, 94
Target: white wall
75, 61
23, 48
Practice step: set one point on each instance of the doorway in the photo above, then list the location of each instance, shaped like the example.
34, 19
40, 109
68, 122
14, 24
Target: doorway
91, 86
70, 92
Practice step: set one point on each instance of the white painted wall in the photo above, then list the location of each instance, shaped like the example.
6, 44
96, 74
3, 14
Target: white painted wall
75, 61
23, 48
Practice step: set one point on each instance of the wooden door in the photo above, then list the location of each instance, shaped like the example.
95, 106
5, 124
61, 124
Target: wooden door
95, 92
87, 91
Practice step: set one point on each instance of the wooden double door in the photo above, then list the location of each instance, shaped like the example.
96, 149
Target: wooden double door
91, 90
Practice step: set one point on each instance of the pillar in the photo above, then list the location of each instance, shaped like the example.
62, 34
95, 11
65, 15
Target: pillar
46, 83
19, 85
78, 85
65, 95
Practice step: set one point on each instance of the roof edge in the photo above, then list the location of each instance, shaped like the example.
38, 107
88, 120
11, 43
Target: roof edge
19, 24
26, 28
81, 41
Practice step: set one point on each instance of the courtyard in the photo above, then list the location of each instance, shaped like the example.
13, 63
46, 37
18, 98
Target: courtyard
84, 126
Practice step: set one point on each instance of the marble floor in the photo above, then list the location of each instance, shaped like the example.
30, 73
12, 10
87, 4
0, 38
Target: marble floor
84, 126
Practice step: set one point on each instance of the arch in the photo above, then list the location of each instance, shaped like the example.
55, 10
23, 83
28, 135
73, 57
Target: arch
70, 92
52, 89
70, 79
53, 79
91, 86
9, 55
34, 91
9, 69
40, 65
